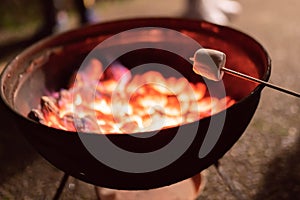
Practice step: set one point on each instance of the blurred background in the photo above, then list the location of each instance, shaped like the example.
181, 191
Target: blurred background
263, 164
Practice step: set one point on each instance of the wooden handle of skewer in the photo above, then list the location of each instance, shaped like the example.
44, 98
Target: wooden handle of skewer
235, 73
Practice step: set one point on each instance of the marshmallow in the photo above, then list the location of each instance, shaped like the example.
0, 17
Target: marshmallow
209, 63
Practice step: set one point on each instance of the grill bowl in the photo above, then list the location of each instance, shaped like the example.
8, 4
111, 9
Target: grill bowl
50, 63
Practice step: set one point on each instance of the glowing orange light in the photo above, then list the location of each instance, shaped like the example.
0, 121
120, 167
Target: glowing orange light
144, 102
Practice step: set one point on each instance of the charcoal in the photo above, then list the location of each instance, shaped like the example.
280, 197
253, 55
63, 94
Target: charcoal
68, 122
85, 124
49, 105
37, 116
129, 127
90, 124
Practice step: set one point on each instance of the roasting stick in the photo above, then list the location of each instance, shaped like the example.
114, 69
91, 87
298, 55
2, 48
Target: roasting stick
204, 66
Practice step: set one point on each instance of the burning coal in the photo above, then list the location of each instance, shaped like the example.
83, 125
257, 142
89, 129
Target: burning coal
116, 101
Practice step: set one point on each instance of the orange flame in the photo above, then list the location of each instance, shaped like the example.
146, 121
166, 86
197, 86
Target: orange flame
144, 102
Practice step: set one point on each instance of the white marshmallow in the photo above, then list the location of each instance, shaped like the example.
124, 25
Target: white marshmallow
209, 63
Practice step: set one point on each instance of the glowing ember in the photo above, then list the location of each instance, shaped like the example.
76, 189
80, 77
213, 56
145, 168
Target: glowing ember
123, 103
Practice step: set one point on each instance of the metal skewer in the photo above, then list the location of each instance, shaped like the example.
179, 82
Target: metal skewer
209, 63
241, 75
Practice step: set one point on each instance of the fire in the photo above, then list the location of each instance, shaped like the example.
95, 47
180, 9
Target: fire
115, 101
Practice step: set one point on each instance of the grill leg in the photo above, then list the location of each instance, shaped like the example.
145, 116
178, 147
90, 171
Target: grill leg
236, 192
61, 186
